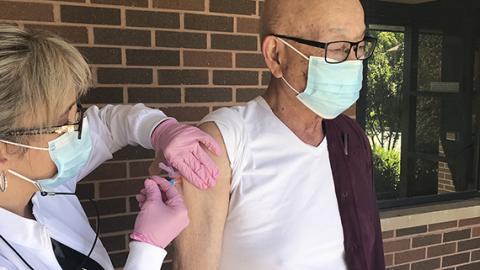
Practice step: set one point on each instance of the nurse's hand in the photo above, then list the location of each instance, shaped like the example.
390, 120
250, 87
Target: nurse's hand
163, 214
182, 148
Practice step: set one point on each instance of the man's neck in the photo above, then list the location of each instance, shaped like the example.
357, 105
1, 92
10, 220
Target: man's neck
304, 123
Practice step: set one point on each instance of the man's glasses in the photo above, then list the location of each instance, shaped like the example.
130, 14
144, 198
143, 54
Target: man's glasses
75, 125
338, 51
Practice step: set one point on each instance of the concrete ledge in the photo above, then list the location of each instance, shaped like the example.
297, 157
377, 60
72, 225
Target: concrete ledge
399, 218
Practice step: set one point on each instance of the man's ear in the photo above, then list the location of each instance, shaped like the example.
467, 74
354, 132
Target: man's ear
270, 52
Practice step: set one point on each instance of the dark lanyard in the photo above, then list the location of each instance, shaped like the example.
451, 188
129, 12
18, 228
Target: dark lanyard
97, 231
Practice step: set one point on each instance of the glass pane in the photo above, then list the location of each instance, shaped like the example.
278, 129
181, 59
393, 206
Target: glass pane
429, 60
427, 139
423, 180
385, 82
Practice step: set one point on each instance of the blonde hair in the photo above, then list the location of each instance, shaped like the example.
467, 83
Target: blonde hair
38, 70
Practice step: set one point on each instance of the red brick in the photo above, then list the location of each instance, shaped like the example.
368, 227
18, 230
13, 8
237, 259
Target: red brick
114, 243
228, 77
247, 94
207, 59
426, 240
470, 266
469, 222
266, 76
426, 265
190, 114
74, 34
409, 256
105, 207
475, 231
475, 255
130, 3
388, 259
124, 75
248, 25
89, 15
85, 190
208, 22
110, 36
133, 152
115, 224
119, 259
182, 77
442, 226
411, 230
455, 259
208, 94
134, 207
246, 7
181, 39
72, 1
250, 60
469, 244
396, 245
103, 95
154, 95
400, 267
234, 42
15, 10
152, 58
441, 250
456, 235
139, 18
139, 168
180, 4
128, 187
98, 55
108, 171
388, 234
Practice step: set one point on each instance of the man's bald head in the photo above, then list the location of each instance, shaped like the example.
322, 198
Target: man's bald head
313, 19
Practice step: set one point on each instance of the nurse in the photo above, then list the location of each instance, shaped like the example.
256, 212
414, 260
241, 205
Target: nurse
48, 144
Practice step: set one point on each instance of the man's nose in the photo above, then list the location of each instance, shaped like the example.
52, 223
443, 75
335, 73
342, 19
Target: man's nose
352, 55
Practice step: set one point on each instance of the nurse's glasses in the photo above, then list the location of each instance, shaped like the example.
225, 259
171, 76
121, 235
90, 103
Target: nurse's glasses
76, 125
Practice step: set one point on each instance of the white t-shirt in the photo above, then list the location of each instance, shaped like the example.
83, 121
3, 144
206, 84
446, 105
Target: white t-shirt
283, 211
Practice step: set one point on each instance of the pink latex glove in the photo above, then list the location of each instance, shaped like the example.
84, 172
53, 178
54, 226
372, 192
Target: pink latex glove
163, 214
181, 146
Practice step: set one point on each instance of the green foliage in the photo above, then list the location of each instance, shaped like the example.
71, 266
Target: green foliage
386, 172
385, 80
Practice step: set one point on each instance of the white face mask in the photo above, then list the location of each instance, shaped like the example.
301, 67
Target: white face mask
68, 153
331, 88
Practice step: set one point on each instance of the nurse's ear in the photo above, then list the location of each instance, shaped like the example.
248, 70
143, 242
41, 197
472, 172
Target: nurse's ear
3, 168
271, 54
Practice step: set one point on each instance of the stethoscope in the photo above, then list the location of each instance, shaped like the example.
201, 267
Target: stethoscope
97, 230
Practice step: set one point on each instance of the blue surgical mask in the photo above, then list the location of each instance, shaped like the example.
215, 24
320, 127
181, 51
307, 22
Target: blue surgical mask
69, 154
331, 88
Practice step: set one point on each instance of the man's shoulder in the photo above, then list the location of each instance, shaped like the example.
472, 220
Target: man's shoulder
231, 116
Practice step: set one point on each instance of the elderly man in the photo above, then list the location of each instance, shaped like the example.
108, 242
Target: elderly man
295, 189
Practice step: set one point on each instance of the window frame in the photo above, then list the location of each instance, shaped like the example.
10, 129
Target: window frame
408, 120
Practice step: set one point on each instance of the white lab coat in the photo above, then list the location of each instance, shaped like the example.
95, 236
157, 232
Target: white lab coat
62, 217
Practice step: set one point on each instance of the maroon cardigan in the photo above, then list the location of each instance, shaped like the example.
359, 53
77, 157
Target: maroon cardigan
351, 162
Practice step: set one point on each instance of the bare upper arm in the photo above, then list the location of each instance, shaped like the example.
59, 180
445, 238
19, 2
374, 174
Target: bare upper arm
199, 246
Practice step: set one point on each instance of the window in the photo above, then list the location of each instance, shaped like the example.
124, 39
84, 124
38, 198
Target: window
421, 111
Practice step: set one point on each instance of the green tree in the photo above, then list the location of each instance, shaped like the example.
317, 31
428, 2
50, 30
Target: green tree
385, 79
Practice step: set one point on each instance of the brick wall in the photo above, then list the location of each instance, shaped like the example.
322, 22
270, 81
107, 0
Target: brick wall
185, 57
445, 178
447, 245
